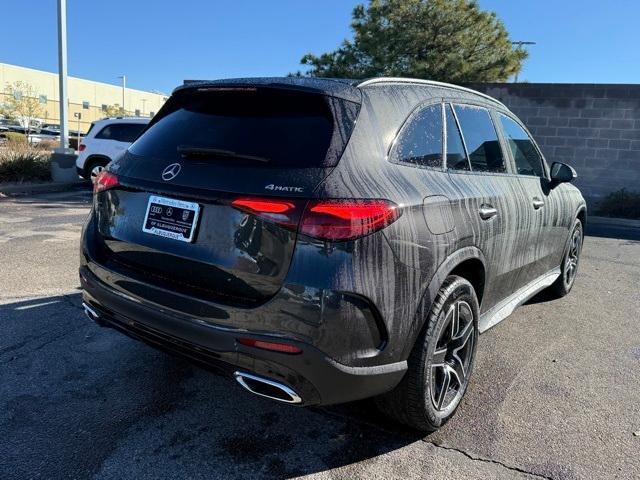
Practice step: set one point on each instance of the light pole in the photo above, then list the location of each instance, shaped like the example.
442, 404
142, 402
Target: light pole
62, 75
63, 159
520, 43
124, 85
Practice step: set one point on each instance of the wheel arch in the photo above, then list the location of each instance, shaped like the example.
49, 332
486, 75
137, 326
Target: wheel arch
469, 263
92, 160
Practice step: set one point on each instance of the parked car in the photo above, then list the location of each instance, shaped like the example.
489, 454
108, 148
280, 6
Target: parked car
326, 241
37, 138
106, 140
50, 129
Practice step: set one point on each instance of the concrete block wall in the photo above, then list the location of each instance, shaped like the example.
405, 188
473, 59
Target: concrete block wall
593, 127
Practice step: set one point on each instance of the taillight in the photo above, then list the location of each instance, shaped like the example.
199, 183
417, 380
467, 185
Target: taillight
338, 220
285, 213
331, 220
104, 181
81, 147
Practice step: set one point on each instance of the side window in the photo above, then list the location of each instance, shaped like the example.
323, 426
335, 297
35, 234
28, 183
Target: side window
105, 133
528, 160
121, 132
481, 139
420, 141
130, 131
456, 156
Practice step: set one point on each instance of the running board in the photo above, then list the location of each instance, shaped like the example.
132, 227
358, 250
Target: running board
506, 307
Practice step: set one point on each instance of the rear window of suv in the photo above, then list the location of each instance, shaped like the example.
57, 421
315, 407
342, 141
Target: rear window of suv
250, 126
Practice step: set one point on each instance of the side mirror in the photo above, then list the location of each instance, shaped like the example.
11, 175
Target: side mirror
561, 173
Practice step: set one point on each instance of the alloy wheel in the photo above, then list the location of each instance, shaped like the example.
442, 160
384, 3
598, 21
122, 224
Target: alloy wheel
95, 171
572, 258
452, 356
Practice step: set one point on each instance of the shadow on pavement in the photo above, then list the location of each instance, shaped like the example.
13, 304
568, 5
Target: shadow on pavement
77, 400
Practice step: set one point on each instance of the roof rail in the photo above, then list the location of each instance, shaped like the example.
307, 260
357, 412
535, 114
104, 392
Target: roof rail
374, 81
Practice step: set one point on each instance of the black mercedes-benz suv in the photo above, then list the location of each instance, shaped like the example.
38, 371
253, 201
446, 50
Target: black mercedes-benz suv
328, 240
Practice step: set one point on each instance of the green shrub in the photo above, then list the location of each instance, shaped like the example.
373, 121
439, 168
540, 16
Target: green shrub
22, 163
15, 138
621, 204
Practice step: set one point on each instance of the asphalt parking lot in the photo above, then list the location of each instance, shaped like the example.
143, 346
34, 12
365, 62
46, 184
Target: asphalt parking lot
555, 393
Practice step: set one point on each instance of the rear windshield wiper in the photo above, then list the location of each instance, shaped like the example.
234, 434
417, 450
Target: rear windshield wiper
187, 151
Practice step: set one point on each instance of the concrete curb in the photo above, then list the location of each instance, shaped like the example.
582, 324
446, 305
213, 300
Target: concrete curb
28, 188
616, 222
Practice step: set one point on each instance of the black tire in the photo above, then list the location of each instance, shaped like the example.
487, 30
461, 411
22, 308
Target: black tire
570, 261
413, 402
93, 163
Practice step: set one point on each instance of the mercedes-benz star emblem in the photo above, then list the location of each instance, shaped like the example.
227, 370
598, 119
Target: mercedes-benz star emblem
171, 171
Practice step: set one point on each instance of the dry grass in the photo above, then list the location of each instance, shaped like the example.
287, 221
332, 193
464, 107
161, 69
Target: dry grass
20, 162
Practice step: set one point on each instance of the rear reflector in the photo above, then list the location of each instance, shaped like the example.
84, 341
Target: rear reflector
329, 220
104, 181
273, 346
81, 147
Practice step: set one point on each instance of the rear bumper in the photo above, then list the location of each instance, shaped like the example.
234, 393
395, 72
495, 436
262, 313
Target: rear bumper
312, 375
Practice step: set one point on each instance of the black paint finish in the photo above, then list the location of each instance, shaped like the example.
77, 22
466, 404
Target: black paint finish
356, 307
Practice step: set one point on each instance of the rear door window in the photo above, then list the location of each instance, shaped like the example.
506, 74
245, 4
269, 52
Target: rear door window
481, 139
525, 154
250, 126
420, 141
121, 132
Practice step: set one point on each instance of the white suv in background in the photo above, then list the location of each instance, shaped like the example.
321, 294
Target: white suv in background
106, 140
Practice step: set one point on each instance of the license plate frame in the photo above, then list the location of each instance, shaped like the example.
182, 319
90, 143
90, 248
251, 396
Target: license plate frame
171, 218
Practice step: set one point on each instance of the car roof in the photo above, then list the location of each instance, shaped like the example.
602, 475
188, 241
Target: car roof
122, 120
432, 83
346, 88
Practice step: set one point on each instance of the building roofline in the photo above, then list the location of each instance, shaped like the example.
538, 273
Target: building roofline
84, 79
433, 83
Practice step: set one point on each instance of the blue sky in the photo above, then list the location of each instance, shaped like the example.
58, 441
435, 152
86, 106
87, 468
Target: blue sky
158, 43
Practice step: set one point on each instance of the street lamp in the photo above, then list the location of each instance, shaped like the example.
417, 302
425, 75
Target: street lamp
520, 43
124, 85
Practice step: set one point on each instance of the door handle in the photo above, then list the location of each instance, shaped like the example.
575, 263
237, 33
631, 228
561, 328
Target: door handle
487, 211
537, 203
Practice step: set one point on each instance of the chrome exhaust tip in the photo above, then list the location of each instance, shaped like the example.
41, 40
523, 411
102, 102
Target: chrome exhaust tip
267, 388
90, 312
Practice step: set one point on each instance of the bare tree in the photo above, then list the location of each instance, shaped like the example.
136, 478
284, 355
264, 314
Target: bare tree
22, 104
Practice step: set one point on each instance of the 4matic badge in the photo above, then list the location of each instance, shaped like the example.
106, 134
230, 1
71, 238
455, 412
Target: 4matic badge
281, 188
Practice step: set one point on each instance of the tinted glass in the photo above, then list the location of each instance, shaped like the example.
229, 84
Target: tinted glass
420, 141
528, 160
281, 128
121, 132
481, 139
456, 156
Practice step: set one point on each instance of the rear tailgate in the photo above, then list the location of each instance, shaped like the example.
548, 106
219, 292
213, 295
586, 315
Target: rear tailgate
214, 146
